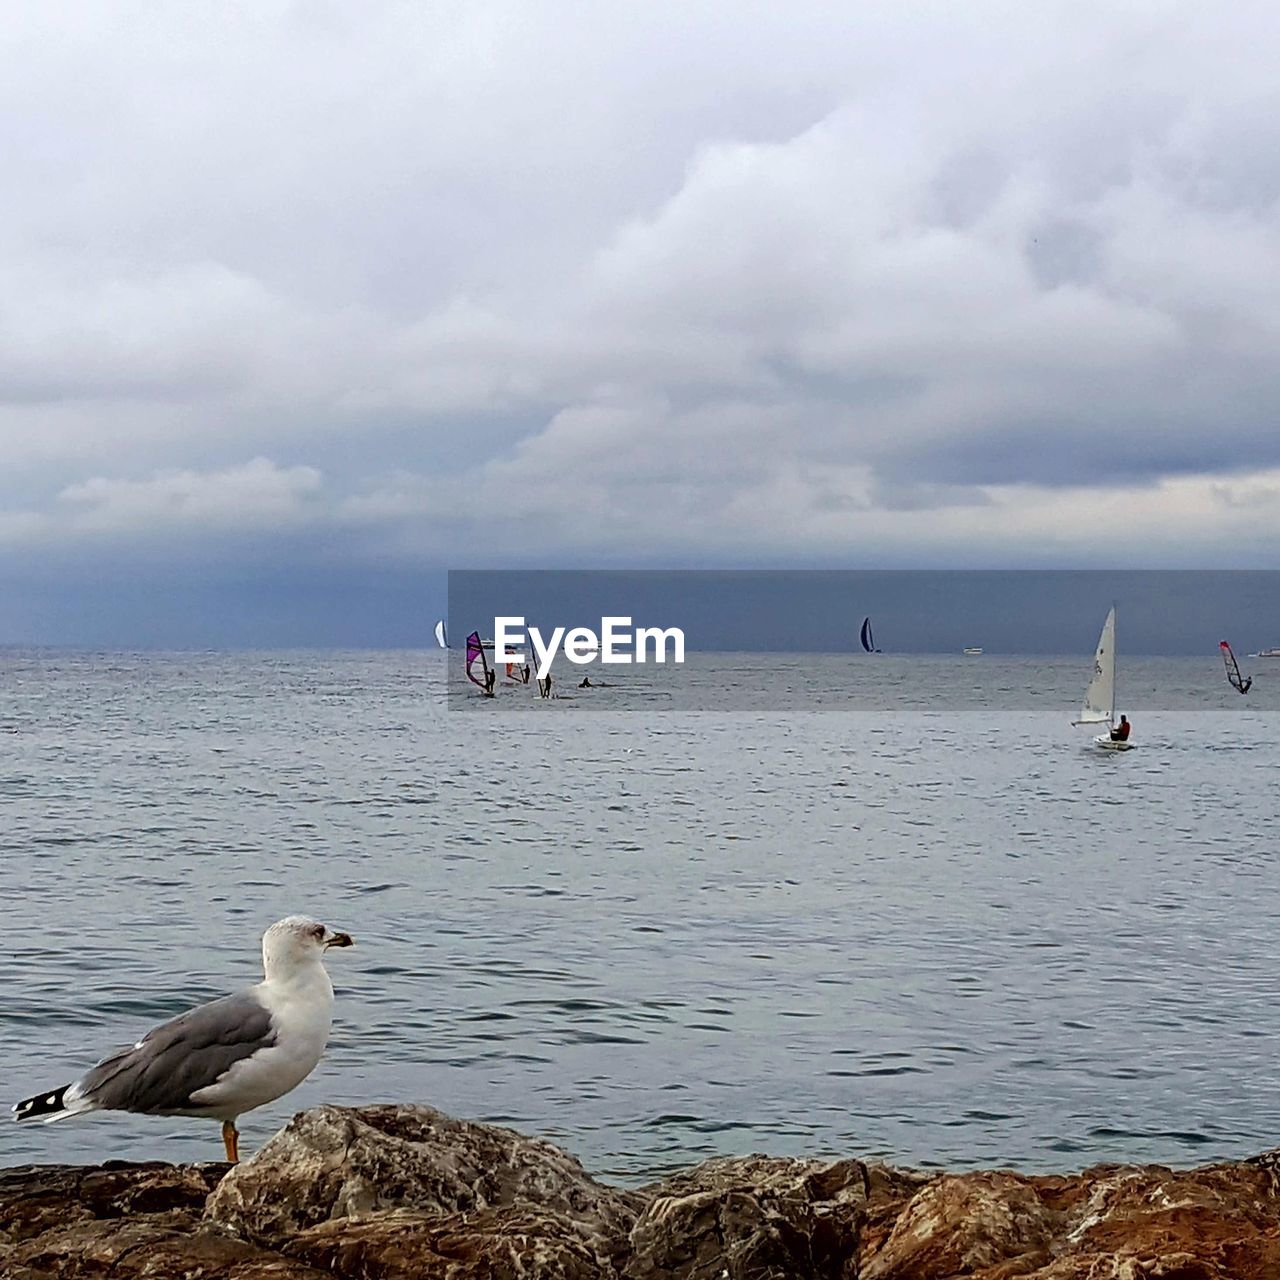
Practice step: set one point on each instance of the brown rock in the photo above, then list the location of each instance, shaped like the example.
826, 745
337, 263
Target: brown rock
891, 1191
393, 1193
157, 1248
122, 1219
34, 1198
1133, 1223
960, 1224
493, 1244
738, 1219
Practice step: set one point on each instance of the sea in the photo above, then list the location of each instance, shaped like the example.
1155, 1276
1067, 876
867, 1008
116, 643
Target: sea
891, 906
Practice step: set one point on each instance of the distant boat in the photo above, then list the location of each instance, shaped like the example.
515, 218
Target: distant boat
1238, 682
442, 636
868, 643
1266, 653
973, 650
1100, 697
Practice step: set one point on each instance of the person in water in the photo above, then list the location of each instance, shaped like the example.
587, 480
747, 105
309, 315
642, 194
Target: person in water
1121, 732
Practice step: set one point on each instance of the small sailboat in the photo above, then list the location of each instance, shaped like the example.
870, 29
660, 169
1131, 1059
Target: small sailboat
442, 636
1100, 697
868, 642
1239, 683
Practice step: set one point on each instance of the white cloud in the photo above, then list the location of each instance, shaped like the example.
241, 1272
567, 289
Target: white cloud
257, 495
643, 280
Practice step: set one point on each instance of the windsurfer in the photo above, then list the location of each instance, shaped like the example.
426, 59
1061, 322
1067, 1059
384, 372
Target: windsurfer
1241, 684
1121, 731
475, 657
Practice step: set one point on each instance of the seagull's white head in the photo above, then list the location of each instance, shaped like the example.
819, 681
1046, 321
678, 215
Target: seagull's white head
297, 943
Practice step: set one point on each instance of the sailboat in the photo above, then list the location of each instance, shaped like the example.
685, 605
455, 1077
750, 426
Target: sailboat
1241, 684
1100, 697
442, 636
868, 643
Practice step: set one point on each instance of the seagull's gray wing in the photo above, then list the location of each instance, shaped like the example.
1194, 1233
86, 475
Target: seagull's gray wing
158, 1075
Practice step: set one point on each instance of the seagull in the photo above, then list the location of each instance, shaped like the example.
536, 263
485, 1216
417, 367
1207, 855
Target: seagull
223, 1058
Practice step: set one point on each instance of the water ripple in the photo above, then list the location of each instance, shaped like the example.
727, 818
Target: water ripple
920, 937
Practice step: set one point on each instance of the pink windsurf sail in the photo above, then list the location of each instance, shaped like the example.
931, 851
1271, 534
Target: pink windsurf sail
475, 653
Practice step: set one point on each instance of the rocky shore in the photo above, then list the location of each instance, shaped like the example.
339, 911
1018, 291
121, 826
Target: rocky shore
407, 1193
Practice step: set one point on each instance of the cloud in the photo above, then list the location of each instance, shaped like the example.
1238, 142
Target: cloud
257, 495
642, 281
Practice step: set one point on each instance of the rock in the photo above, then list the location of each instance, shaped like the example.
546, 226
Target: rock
737, 1219
35, 1198
122, 1219
493, 1244
958, 1225
334, 1162
126, 1250
1216, 1223
406, 1193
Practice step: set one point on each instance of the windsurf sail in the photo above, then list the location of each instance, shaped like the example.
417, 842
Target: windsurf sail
475, 653
442, 636
1238, 682
867, 642
1100, 697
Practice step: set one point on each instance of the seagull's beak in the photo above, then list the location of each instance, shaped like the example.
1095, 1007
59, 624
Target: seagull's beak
338, 940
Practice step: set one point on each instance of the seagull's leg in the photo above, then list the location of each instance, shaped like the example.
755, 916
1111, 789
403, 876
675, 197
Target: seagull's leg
231, 1140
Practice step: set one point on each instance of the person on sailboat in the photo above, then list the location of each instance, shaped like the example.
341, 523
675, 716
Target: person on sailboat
1121, 732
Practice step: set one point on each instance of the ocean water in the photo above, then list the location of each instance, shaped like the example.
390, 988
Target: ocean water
898, 910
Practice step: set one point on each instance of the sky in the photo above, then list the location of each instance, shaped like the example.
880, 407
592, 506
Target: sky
1170, 613
306, 303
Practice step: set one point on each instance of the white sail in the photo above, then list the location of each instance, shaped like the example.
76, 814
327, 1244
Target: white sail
1100, 697
441, 638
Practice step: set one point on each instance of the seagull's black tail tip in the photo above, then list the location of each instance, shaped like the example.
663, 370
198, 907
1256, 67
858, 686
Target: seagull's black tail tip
43, 1104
